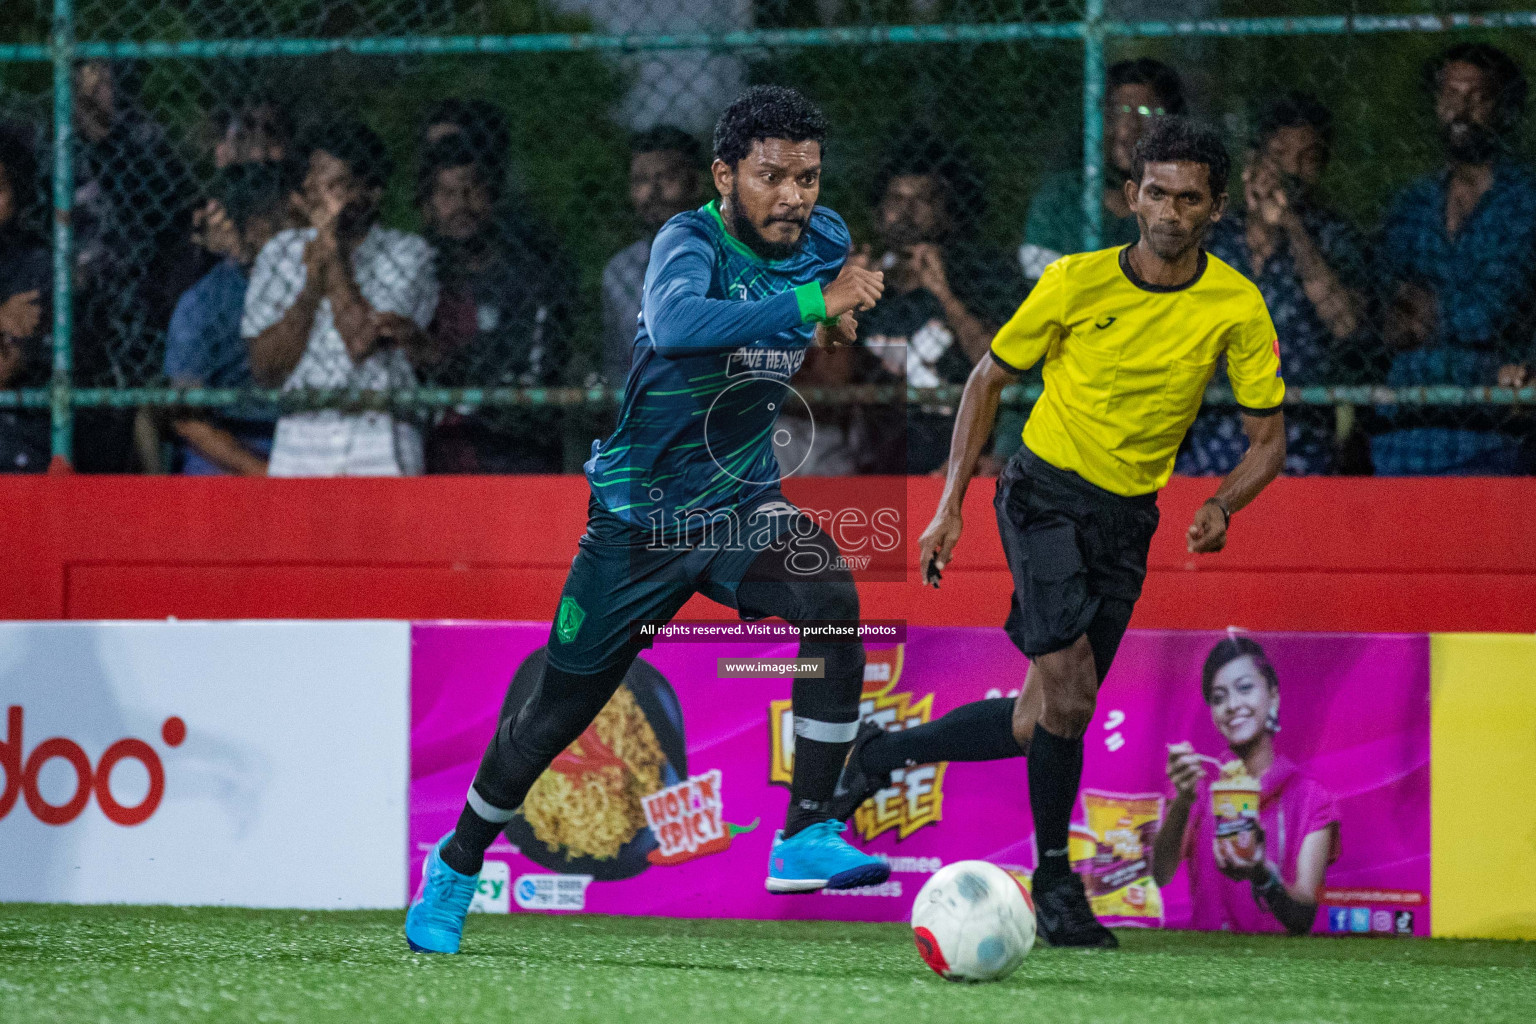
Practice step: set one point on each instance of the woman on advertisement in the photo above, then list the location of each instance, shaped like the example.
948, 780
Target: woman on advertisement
1259, 838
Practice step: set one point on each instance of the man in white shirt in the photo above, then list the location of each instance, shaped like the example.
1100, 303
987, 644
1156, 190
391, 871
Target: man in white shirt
344, 303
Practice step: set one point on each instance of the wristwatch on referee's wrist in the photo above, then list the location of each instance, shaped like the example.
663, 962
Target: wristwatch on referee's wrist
1226, 513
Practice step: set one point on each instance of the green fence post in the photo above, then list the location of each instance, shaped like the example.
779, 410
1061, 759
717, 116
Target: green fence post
63, 47
1093, 125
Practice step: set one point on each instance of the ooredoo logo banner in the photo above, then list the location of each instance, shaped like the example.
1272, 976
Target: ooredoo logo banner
204, 763
23, 770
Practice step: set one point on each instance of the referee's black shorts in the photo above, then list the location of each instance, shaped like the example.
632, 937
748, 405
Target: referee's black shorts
1078, 555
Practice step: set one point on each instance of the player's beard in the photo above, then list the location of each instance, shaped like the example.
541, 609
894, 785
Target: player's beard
747, 232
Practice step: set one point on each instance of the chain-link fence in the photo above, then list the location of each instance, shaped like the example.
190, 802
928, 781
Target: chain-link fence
487, 205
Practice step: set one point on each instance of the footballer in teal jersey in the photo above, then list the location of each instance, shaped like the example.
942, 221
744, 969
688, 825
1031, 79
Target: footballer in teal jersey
734, 294
722, 330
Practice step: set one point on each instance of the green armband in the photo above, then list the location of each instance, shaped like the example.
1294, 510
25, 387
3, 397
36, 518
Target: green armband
813, 305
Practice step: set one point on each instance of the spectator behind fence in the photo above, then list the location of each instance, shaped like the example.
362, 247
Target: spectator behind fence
946, 293
480, 123
203, 347
1457, 256
343, 303
26, 282
503, 319
253, 129
1135, 91
663, 181
133, 203
1309, 263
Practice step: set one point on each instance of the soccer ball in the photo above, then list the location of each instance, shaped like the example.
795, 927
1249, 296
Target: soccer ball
973, 921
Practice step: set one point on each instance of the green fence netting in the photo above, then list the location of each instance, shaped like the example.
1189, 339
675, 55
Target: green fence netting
140, 113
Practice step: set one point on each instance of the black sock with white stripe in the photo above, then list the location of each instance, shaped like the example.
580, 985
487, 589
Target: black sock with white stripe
472, 836
560, 707
826, 713
1055, 772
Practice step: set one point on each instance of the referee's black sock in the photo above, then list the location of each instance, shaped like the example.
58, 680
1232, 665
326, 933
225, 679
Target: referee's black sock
979, 731
560, 707
1055, 772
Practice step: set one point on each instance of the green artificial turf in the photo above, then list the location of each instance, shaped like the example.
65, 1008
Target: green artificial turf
123, 964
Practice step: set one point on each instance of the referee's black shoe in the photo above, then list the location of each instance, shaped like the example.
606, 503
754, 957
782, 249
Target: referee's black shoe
1064, 917
855, 785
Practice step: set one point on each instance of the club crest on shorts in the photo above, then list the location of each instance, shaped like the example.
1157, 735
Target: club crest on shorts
568, 621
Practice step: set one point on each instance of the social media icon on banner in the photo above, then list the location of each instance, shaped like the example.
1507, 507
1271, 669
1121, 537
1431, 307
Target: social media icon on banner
1404, 922
1338, 919
1360, 919
1381, 921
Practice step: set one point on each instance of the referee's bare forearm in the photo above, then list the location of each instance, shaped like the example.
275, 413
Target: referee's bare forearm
1260, 464
973, 425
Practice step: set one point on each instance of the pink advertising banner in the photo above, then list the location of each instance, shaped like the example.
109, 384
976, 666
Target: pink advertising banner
668, 804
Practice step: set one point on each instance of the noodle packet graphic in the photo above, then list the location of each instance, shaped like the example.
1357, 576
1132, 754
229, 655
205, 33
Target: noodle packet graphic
587, 804
1112, 850
1235, 806
584, 814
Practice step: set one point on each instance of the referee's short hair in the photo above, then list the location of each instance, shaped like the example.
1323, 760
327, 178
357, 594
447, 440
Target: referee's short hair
1183, 140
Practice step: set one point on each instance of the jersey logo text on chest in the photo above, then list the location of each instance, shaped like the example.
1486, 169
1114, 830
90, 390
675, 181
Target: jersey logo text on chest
776, 362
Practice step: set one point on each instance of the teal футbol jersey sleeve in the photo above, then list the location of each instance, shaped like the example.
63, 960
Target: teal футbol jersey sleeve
722, 331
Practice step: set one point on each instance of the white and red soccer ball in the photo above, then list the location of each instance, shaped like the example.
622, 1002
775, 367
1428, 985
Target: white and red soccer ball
973, 921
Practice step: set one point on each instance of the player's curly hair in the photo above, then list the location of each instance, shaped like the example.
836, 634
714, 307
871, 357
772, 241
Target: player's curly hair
1184, 140
767, 112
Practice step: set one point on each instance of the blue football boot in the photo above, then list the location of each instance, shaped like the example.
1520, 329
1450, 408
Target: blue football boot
818, 857
435, 921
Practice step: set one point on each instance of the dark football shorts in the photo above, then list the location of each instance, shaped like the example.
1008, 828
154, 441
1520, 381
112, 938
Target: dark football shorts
1078, 555
624, 576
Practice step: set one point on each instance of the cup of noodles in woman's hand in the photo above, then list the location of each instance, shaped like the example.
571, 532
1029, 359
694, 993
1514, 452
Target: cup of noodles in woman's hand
1235, 805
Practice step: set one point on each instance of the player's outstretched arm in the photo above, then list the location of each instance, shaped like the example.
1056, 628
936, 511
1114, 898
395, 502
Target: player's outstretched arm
683, 320
973, 425
1260, 464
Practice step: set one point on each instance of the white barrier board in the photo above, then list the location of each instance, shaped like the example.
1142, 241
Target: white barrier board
259, 764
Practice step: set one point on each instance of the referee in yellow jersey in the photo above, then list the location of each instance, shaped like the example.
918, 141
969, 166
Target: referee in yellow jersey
1129, 337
